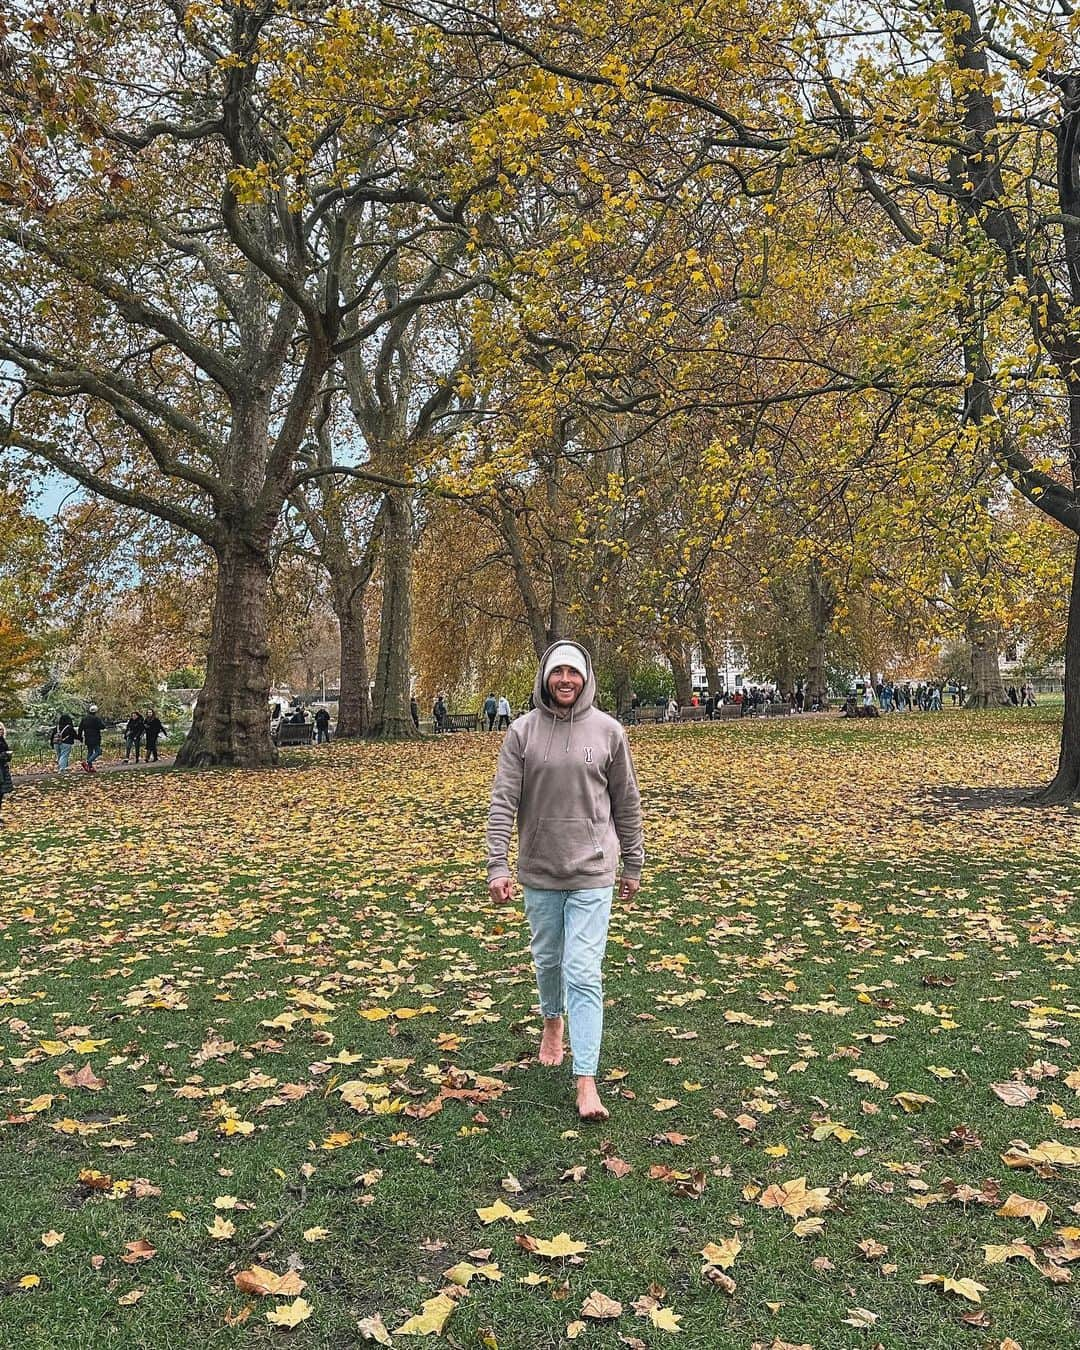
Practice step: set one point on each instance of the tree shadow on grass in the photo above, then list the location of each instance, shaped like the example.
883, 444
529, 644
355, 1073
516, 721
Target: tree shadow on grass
980, 798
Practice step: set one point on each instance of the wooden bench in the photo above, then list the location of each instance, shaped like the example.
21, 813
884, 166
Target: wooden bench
692, 714
782, 709
294, 733
726, 710
638, 716
460, 721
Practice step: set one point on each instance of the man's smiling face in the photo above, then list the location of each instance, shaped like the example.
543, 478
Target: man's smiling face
564, 685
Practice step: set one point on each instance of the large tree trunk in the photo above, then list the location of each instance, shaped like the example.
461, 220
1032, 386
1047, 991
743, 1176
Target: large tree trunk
822, 607
624, 688
354, 695
232, 722
785, 672
390, 719
1065, 786
987, 690
708, 660
679, 660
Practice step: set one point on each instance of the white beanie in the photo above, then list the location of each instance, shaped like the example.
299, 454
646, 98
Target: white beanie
566, 654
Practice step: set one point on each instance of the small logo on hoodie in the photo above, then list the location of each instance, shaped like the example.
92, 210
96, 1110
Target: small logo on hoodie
588, 754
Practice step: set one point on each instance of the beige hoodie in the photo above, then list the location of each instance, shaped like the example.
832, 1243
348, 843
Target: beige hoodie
568, 778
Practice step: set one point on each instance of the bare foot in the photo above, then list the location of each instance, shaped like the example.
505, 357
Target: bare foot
552, 1049
589, 1105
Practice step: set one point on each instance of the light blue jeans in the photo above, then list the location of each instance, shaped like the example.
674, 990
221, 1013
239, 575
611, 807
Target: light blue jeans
63, 756
569, 935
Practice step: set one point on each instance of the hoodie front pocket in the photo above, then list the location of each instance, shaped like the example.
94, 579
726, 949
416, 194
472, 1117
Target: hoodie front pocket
568, 846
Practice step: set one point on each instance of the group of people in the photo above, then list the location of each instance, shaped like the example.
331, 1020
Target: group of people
930, 696
497, 709
321, 721
921, 697
749, 700
141, 728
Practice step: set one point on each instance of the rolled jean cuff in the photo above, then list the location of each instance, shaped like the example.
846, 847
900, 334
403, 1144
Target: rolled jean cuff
588, 1071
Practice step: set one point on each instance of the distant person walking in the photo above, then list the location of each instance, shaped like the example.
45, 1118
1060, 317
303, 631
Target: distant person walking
503, 710
133, 736
565, 775
154, 730
439, 714
491, 708
89, 732
322, 726
414, 712
62, 739
7, 783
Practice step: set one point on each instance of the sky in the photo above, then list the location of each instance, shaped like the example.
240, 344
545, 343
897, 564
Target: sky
53, 489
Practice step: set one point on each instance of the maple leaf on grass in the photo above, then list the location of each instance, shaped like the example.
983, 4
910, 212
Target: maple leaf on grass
260, 1281
464, 1271
562, 1244
965, 1288
290, 1314
372, 1329
722, 1253
501, 1210
795, 1198
665, 1320
430, 1320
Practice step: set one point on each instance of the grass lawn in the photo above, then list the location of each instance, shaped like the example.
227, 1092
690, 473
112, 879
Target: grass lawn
269, 1020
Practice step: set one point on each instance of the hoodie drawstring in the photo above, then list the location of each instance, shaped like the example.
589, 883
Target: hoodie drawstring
551, 733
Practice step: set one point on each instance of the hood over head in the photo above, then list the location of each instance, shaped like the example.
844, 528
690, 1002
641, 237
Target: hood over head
584, 701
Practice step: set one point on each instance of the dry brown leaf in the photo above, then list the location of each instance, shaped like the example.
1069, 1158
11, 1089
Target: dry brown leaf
1022, 1207
599, 1307
1013, 1093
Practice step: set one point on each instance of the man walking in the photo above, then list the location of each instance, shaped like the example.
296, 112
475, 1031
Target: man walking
566, 779
503, 711
154, 729
322, 727
90, 728
490, 710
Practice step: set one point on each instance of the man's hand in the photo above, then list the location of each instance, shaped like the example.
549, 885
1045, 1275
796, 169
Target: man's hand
501, 890
628, 888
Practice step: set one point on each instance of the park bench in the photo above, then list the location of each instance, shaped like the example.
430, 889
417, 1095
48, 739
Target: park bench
726, 710
778, 709
691, 713
639, 715
465, 721
294, 733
